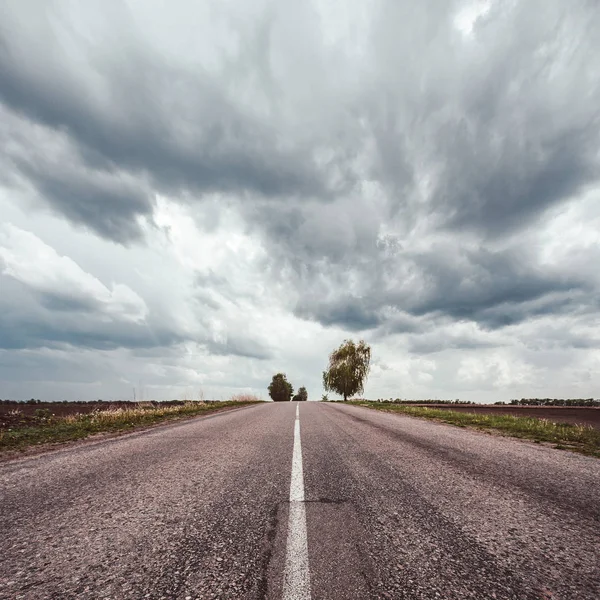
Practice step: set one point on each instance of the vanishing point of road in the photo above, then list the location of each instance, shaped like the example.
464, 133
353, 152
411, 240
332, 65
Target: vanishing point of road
301, 501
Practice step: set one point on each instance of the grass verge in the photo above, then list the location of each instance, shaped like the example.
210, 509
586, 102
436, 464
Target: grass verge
78, 426
566, 436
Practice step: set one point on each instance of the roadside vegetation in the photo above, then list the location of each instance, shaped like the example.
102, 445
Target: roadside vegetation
47, 428
567, 436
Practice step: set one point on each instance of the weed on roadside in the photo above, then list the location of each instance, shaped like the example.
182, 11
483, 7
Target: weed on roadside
47, 428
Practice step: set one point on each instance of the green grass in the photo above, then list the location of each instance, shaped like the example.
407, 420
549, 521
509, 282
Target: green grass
78, 426
566, 436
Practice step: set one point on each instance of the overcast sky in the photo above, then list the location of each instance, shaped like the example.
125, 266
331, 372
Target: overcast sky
196, 195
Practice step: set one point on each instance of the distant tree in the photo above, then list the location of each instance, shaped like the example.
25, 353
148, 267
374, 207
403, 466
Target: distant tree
324, 398
348, 369
302, 394
280, 389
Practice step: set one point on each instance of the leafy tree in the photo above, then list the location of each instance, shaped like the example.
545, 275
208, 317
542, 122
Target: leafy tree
302, 394
348, 368
280, 389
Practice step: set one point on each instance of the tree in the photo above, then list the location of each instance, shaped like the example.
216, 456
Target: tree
280, 389
348, 368
302, 394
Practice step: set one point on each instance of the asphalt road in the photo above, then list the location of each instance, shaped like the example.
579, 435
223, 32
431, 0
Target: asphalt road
375, 506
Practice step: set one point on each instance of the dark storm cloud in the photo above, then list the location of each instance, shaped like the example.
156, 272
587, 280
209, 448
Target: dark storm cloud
407, 197
504, 125
101, 201
233, 346
351, 313
99, 196
499, 129
494, 289
483, 286
177, 127
435, 342
30, 319
63, 303
49, 366
503, 189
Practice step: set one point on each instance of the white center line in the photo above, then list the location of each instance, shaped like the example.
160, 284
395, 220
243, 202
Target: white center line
296, 577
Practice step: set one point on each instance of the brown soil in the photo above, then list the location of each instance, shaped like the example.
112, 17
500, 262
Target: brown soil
580, 415
21, 414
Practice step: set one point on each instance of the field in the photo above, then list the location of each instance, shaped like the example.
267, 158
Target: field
559, 414
20, 414
578, 436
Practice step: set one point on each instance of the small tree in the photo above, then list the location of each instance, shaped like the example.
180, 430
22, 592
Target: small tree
280, 389
348, 369
302, 394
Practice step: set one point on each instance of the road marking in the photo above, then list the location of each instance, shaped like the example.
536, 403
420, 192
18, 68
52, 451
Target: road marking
296, 577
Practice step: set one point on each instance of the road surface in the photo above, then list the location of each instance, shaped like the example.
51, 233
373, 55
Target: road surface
341, 502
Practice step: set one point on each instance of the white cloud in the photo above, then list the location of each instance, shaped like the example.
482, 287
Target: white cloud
29, 260
494, 370
466, 18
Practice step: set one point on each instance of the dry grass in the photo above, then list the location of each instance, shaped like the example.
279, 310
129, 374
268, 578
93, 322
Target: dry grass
78, 426
245, 398
566, 436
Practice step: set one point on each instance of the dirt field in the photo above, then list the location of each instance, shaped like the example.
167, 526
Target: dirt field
21, 414
580, 415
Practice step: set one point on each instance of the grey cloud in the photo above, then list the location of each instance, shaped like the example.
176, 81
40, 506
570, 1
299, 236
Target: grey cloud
502, 138
563, 333
45, 366
351, 313
62, 302
104, 198
466, 284
238, 346
492, 289
102, 202
498, 129
435, 343
504, 125
404, 201
33, 320
179, 128
508, 188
